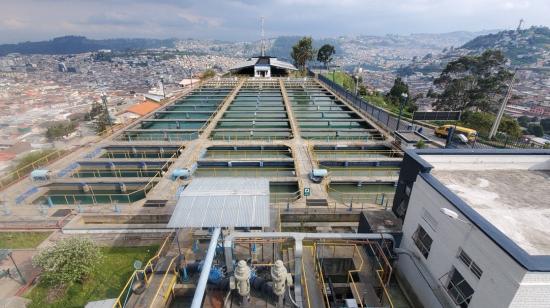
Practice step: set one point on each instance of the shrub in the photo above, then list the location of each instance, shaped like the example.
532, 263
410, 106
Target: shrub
70, 260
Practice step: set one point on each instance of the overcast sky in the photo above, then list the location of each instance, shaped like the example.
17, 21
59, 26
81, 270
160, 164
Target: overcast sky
22, 20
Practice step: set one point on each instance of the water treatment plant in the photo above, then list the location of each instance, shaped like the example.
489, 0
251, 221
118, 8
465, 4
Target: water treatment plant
266, 191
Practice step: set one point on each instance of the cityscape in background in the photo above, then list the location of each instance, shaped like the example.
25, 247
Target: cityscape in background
282, 171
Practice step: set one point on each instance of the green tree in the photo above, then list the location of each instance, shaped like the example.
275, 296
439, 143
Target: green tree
209, 73
483, 121
397, 90
524, 121
420, 144
535, 129
70, 260
95, 110
510, 127
302, 52
473, 82
57, 130
325, 53
545, 123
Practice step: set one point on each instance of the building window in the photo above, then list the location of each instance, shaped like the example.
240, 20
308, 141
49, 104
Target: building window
423, 241
474, 268
459, 290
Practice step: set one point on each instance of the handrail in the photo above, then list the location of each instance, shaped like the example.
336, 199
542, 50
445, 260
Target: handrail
16, 175
229, 138
322, 278
289, 197
162, 282
246, 154
359, 196
333, 154
253, 171
144, 189
361, 171
118, 301
305, 281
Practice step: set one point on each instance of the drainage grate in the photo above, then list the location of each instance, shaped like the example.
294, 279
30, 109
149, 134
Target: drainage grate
155, 203
316, 202
62, 213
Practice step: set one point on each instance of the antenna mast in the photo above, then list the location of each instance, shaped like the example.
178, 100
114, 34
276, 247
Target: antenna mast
519, 26
263, 41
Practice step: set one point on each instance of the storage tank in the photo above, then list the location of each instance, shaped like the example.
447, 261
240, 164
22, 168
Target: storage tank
180, 173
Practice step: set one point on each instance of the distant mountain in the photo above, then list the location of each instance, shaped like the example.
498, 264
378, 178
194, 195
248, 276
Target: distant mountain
522, 47
80, 44
529, 47
420, 40
282, 45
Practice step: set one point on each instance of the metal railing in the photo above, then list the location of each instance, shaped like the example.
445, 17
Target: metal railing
169, 137
230, 138
285, 198
170, 286
118, 173
137, 155
382, 117
358, 199
247, 154
362, 172
364, 138
22, 172
351, 154
147, 272
113, 198
254, 172
324, 249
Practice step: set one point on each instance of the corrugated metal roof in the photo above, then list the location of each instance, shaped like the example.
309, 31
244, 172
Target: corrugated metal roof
222, 202
278, 63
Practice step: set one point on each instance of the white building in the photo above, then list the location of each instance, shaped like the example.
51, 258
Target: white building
263, 66
476, 229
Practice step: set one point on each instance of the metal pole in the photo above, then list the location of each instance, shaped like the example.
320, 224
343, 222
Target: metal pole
403, 100
104, 99
495, 126
17, 268
201, 285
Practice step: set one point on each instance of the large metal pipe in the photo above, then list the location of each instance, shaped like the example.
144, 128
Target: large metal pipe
203, 279
298, 238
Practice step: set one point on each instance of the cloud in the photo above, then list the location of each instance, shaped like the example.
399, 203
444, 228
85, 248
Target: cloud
239, 19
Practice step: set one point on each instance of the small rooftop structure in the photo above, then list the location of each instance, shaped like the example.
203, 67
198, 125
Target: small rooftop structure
143, 108
188, 81
263, 66
40, 175
222, 202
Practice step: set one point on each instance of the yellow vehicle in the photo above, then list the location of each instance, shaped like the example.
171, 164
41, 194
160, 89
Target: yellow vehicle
443, 131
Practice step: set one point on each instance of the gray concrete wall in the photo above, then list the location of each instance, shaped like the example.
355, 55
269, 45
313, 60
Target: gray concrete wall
501, 274
488, 162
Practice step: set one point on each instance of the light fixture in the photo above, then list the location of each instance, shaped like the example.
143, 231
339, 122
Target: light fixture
454, 215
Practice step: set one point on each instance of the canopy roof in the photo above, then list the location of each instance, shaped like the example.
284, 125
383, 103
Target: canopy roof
266, 60
222, 202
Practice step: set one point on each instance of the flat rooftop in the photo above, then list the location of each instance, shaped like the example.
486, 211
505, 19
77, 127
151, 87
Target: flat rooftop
517, 202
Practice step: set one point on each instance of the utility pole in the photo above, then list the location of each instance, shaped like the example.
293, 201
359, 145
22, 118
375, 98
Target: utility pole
519, 25
104, 100
263, 41
495, 126
404, 97
162, 87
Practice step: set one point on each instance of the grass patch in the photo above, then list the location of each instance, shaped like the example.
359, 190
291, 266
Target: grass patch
106, 282
20, 240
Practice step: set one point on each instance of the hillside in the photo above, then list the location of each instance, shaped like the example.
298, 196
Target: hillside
522, 47
529, 47
80, 44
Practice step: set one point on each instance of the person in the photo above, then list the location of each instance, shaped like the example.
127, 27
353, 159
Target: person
420, 130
